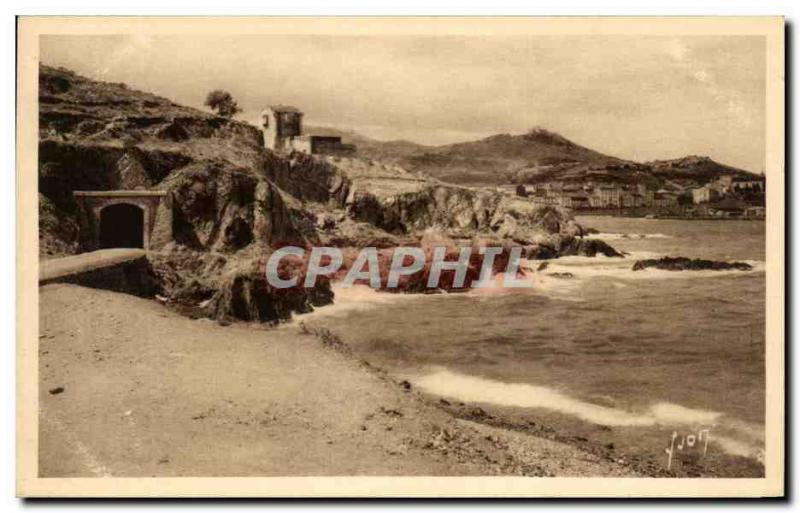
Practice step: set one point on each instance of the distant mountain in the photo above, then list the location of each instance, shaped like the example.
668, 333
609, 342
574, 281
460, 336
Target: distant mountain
500, 158
539, 155
539, 146
494, 160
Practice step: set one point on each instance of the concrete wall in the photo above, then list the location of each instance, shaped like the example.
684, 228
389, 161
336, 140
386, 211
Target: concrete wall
322, 145
303, 144
132, 277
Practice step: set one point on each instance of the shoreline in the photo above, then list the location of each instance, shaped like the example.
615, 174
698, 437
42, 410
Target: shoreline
645, 455
131, 388
593, 439
560, 428
425, 434
530, 427
594, 213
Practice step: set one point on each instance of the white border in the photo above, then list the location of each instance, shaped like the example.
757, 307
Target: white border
563, 7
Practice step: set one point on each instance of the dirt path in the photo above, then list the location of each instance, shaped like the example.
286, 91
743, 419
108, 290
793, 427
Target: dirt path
147, 392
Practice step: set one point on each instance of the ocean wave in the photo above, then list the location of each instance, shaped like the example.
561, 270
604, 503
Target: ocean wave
583, 268
357, 298
547, 282
461, 387
481, 390
627, 236
738, 448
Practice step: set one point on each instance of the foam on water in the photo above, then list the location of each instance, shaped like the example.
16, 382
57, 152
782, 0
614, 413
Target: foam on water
669, 413
539, 282
739, 448
622, 268
582, 268
626, 236
446, 383
481, 390
355, 299
619, 270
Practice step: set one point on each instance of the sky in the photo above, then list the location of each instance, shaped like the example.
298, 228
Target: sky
633, 97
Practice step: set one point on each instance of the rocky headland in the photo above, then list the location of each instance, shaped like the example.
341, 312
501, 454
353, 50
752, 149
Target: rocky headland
234, 201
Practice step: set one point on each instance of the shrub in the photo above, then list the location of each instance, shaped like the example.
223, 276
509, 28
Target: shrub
223, 103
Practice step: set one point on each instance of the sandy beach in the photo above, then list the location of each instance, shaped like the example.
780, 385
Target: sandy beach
131, 388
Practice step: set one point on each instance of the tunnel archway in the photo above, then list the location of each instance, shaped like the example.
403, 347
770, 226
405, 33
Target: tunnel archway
122, 226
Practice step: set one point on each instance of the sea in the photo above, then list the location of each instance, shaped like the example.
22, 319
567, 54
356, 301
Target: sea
655, 364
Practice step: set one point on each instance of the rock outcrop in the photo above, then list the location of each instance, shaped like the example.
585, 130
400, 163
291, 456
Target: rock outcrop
218, 207
102, 136
588, 247
460, 212
226, 209
308, 178
432, 206
690, 264
225, 287
232, 201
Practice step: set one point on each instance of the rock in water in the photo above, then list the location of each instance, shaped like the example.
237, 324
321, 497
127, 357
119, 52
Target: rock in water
588, 247
689, 264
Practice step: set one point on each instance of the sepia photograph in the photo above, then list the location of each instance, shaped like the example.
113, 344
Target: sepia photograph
400, 256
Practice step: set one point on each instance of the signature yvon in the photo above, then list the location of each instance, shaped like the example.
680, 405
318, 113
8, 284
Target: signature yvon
688, 442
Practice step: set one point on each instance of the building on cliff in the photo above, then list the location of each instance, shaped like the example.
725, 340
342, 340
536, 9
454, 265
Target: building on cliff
281, 124
283, 133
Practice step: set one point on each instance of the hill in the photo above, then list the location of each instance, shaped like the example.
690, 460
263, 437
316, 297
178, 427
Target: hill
539, 155
490, 161
693, 167
229, 200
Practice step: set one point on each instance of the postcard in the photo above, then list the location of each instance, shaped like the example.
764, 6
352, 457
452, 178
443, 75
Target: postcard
400, 257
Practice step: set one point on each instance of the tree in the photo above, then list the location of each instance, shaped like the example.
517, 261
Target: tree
222, 102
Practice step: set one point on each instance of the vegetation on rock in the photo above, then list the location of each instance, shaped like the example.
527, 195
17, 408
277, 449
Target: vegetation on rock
222, 102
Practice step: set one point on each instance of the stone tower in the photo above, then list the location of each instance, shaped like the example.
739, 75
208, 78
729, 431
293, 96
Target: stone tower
281, 124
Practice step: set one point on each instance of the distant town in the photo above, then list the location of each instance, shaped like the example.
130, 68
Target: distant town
727, 197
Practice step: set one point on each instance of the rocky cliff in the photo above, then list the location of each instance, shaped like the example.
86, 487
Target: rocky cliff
232, 200
225, 204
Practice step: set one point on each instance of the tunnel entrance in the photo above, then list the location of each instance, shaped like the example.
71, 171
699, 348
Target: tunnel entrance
132, 219
122, 226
